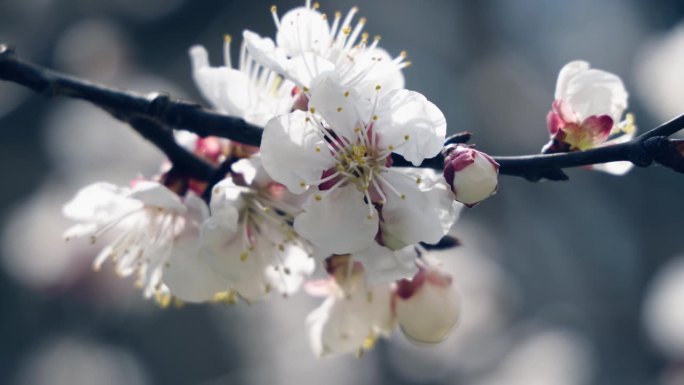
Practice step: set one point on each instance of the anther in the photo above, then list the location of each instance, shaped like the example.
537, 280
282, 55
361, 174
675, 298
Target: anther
317, 197
403, 54
346, 94
274, 9
375, 117
243, 256
406, 137
339, 109
378, 87
227, 38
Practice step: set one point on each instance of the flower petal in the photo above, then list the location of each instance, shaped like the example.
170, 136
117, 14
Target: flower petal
425, 214
383, 265
335, 104
155, 194
415, 127
288, 151
225, 88
302, 30
339, 222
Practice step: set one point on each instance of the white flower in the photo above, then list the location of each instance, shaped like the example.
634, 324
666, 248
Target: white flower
341, 149
248, 241
471, 174
307, 46
149, 220
353, 315
250, 91
587, 113
427, 307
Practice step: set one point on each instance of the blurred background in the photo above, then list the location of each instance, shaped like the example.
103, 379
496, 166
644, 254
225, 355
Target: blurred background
561, 283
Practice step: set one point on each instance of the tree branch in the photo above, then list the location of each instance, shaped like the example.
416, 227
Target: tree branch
151, 115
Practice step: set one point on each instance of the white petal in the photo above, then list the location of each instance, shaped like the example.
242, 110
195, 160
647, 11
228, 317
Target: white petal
154, 194
425, 215
566, 73
302, 30
299, 266
288, 151
412, 124
265, 52
99, 202
340, 222
225, 88
380, 69
190, 278
383, 265
592, 92
329, 100
304, 68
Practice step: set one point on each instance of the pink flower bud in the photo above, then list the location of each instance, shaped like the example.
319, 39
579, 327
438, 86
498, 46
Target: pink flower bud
471, 174
427, 307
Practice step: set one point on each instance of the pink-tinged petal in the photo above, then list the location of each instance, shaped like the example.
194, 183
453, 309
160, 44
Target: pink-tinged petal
410, 124
553, 122
291, 151
339, 222
564, 112
592, 132
336, 105
424, 214
427, 307
471, 181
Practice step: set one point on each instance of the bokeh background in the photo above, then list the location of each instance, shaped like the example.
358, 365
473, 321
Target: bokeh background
562, 283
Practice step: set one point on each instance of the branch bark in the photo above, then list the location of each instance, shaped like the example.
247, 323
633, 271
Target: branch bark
154, 115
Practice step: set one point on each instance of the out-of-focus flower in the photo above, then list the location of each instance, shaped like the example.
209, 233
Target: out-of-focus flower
472, 174
427, 306
340, 150
353, 315
248, 241
249, 91
307, 46
587, 112
663, 313
151, 222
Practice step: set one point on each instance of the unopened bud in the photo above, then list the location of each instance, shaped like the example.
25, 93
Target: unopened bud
471, 174
427, 306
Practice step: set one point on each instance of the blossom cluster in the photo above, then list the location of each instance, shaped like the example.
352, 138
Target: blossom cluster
321, 204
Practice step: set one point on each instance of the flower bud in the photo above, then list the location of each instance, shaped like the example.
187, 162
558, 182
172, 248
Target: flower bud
427, 307
471, 174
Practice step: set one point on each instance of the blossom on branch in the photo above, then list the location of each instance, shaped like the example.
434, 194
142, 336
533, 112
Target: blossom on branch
307, 45
471, 174
150, 225
587, 113
340, 152
250, 91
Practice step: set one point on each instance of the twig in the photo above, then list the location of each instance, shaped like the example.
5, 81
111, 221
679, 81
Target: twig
150, 115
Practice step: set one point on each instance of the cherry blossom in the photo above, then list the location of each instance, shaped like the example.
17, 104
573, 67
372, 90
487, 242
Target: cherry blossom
249, 246
307, 45
340, 151
354, 314
249, 91
149, 222
587, 113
